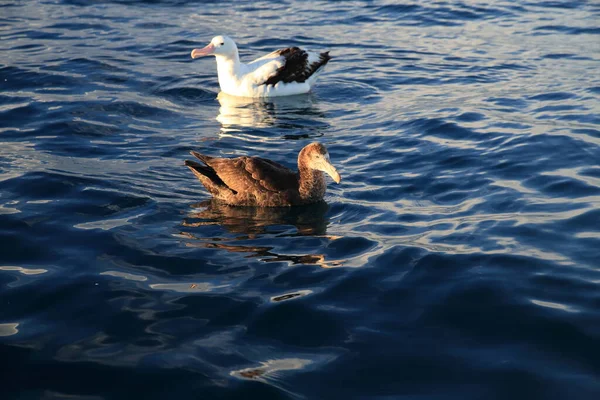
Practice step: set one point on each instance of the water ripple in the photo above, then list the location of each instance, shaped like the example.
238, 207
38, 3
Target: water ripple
458, 256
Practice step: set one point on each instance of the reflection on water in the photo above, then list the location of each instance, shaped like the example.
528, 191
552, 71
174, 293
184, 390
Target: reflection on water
187, 287
470, 205
270, 367
265, 253
256, 222
308, 220
272, 372
9, 329
283, 112
24, 271
290, 296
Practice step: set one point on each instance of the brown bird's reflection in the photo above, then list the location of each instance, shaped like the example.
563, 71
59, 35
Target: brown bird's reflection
251, 222
289, 112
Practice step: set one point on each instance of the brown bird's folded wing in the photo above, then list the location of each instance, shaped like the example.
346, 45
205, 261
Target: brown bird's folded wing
245, 174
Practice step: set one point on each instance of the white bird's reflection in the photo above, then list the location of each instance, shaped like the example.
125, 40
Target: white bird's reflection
285, 112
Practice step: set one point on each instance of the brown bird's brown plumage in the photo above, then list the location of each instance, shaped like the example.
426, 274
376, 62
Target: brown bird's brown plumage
255, 181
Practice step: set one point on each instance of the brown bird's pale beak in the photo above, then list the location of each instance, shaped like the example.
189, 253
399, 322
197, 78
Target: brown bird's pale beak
208, 50
330, 169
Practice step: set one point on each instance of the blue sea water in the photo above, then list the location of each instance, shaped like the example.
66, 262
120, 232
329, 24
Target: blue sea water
459, 258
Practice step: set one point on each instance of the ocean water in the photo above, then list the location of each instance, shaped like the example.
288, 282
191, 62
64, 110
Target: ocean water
459, 258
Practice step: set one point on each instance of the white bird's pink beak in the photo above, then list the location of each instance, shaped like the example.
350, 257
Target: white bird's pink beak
208, 50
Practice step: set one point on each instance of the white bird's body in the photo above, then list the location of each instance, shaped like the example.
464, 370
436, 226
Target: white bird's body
283, 72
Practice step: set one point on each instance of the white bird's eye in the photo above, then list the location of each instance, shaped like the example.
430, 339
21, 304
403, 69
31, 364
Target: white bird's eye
222, 43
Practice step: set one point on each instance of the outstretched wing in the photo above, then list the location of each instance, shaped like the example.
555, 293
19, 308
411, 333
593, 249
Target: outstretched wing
248, 174
289, 65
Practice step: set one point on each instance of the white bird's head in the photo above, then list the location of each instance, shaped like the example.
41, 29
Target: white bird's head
218, 46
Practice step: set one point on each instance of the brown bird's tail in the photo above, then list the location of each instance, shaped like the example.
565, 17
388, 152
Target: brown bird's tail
207, 175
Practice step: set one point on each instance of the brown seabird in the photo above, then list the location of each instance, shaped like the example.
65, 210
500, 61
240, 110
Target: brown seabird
255, 181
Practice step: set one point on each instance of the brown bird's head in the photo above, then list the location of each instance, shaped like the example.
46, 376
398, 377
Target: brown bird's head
315, 156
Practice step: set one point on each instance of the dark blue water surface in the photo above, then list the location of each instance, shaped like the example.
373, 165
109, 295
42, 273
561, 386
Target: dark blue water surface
458, 259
